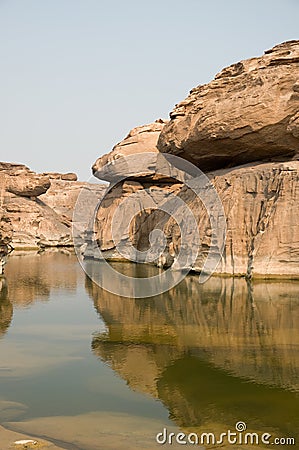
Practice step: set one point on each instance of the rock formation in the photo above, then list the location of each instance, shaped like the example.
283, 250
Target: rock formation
40, 206
241, 129
249, 112
6, 234
134, 167
139, 140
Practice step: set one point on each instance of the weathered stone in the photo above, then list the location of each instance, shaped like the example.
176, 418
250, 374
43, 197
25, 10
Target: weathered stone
62, 196
125, 216
249, 112
40, 211
20, 180
260, 203
137, 157
61, 176
6, 233
225, 325
28, 185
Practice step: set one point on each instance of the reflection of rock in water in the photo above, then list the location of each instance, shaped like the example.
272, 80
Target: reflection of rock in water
33, 275
195, 346
6, 309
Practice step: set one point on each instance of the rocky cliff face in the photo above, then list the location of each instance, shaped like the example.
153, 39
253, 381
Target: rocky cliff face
6, 234
242, 131
39, 206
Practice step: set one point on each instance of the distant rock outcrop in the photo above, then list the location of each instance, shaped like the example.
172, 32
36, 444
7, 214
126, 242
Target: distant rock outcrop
40, 206
242, 131
6, 233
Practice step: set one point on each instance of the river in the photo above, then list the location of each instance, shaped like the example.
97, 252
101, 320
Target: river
91, 370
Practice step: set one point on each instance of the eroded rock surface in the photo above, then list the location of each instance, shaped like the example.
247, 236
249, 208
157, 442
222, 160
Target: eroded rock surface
249, 112
6, 234
141, 139
40, 206
260, 203
242, 131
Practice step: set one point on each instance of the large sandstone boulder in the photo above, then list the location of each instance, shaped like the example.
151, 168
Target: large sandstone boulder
6, 234
249, 112
137, 157
6, 231
28, 185
20, 180
139, 140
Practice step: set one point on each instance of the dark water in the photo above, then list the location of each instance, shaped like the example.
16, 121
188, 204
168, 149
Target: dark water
92, 370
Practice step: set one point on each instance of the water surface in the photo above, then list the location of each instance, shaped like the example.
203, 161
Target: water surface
92, 370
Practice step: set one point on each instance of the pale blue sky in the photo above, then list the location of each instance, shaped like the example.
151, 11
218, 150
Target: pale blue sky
76, 75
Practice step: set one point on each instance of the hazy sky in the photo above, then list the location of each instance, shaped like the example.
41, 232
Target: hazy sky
77, 75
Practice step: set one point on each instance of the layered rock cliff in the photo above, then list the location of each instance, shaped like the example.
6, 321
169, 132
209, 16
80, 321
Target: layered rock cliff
39, 207
241, 129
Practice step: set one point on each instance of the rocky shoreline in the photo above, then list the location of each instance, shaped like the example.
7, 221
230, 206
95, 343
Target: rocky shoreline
242, 131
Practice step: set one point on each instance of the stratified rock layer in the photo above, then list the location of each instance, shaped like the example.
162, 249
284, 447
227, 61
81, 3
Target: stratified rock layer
260, 203
40, 206
242, 130
249, 112
137, 157
245, 332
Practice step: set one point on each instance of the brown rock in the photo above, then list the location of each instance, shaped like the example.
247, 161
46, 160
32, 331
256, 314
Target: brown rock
61, 176
136, 157
62, 196
260, 203
20, 180
249, 112
28, 185
5, 229
132, 226
44, 221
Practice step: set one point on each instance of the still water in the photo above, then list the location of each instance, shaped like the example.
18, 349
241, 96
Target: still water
89, 370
